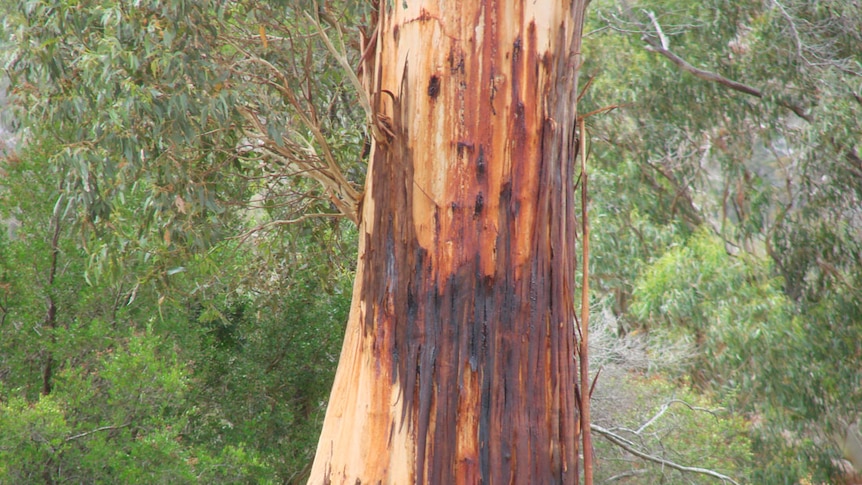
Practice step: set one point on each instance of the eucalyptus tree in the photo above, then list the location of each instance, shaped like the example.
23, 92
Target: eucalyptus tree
741, 115
458, 363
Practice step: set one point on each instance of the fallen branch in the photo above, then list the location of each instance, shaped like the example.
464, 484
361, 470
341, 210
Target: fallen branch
626, 445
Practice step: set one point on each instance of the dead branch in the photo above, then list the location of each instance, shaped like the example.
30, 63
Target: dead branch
663, 48
793, 29
627, 446
664, 409
653, 46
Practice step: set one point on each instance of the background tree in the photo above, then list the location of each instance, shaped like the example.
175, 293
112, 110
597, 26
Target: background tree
732, 162
143, 256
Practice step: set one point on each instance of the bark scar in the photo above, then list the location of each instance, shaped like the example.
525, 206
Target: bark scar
424, 16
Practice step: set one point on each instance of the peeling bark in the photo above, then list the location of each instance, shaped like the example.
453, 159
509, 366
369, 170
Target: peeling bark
458, 363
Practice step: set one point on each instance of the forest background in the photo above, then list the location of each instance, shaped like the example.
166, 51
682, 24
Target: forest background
172, 296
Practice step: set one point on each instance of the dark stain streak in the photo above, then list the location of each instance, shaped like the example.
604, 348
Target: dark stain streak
456, 62
519, 111
428, 360
516, 49
480, 204
506, 193
434, 86
493, 91
480, 162
412, 304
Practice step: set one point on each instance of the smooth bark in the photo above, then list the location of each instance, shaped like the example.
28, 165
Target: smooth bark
458, 365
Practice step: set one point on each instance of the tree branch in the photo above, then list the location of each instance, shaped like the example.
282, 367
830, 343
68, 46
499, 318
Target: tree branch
329, 176
87, 433
653, 46
792, 28
664, 409
244, 236
364, 99
663, 49
624, 444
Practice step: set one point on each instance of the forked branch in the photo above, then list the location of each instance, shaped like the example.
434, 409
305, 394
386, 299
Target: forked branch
628, 446
328, 175
663, 47
338, 54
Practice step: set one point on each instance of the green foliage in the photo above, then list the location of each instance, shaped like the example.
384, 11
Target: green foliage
151, 211
125, 92
746, 207
267, 350
149, 109
118, 419
790, 370
212, 373
628, 231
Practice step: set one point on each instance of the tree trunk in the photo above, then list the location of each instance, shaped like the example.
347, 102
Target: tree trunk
458, 364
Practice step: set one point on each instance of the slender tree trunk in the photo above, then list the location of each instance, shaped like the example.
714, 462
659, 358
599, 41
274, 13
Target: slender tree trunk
51, 316
459, 361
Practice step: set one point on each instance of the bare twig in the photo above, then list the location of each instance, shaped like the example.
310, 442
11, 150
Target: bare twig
244, 236
664, 409
664, 43
626, 445
792, 28
601, 110
97, 430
